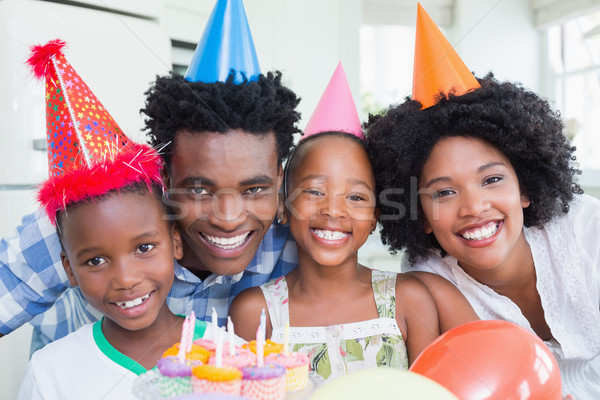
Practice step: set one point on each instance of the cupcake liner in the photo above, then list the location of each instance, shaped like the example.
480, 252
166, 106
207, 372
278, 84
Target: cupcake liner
264, 389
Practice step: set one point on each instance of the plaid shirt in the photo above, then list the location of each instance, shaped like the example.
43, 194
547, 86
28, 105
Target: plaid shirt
34, 286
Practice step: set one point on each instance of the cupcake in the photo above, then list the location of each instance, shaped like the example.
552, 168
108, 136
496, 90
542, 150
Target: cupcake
242, 358
198, 353
264, 383
269, 348
297, 367
208, 344
212, 379
175, 377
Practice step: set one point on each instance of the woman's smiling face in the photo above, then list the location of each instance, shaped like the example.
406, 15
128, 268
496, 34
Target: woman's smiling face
472, 203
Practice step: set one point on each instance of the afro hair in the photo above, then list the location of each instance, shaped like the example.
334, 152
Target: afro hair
258, 107
513, 119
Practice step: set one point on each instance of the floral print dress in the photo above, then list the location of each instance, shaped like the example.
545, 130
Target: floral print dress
337, 349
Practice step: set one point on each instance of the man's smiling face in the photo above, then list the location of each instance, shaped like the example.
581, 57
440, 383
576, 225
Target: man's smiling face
223, 188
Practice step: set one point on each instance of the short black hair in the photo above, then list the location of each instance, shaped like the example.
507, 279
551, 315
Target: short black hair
258, 107
511, 118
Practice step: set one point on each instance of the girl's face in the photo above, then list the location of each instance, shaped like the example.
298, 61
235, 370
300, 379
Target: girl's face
119, 251
473, 204
331, 200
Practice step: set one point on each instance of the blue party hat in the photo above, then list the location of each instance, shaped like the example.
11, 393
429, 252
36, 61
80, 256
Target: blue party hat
225, 44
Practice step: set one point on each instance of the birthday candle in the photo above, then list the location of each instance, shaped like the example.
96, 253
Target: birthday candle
215, 324
219, 349
260, 340
231, 336
286, 340
187, 336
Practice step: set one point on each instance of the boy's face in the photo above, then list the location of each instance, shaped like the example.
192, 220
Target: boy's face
331, 201
119, 251
223, 189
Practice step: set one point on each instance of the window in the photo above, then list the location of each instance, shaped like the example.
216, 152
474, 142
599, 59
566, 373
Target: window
574, 60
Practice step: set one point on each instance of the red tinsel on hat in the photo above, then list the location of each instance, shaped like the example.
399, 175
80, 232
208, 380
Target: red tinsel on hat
88, 154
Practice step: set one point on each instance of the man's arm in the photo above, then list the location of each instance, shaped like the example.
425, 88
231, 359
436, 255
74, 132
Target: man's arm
31, 274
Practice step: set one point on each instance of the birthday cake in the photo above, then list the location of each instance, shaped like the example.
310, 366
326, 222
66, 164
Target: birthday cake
258, 370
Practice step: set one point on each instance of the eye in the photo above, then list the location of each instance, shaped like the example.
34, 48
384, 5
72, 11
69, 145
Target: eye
96, 261
144, 248
492, 179
198, 191
314, 192
356, 197
254, 190
442, 193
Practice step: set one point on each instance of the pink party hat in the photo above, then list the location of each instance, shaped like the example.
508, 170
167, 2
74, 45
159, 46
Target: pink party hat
437, 67
336, 110
88, 154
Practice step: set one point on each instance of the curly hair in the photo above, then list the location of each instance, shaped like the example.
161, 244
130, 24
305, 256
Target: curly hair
258, 107
511, 118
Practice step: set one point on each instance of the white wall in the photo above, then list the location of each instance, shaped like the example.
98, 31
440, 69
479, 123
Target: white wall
499, 36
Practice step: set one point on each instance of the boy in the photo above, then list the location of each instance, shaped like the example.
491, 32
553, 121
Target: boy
105, 196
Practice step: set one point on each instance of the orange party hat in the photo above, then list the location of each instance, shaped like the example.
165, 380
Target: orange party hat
437, 68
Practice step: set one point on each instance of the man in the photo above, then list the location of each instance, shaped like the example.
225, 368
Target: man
224, 142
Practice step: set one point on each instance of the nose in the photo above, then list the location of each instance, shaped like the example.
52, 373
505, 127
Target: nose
473, 202
334, 206
126, 275
227, 210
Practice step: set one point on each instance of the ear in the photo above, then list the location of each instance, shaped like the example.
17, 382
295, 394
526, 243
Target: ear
376, 214
177, 243
67, 266
427, 227
525, 202
279, 178
165, 176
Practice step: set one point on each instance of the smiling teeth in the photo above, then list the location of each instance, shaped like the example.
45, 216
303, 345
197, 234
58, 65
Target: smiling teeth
481, 233
132, 303
226, 243
330, 235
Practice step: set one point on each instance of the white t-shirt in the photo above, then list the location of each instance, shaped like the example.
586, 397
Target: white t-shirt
566, 254
84, 365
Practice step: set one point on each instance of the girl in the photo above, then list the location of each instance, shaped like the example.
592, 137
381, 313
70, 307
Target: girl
343, 315
499, 214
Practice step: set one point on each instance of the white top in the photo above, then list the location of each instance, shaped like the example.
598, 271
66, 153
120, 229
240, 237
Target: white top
84, 365
337, 349
566, 254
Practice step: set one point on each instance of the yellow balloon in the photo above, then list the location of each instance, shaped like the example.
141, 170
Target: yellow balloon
382, 383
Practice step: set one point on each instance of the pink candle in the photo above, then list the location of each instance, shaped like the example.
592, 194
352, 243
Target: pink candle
187, 336
260, 340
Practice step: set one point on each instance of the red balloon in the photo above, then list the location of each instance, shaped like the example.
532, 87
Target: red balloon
491, 360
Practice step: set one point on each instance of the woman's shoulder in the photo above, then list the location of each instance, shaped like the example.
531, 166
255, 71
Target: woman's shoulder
582, 218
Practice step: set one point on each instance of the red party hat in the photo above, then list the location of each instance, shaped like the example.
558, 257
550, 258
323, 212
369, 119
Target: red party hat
437, 67
88, 154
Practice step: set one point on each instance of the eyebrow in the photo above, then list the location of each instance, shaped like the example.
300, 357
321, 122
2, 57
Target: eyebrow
149, 234
479, 170
323, 178
195, 180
